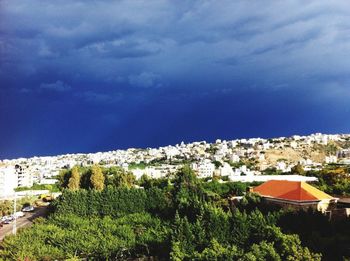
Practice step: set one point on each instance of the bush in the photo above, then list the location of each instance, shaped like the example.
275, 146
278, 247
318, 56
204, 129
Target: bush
114, 202
65, 236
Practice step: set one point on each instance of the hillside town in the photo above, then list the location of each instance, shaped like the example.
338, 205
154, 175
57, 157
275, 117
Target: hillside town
300, 183
245, 160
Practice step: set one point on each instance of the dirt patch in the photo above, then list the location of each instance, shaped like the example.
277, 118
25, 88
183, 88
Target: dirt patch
290, 155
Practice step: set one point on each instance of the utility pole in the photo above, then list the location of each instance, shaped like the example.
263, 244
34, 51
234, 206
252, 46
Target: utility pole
14, 228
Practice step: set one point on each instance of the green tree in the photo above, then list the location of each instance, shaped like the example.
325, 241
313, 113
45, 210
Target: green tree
63, 178
183, 243
216, 223
298, 169
6, 207
216, 251
97, 178
145, 181
217, 164
74, 180
331, 149
188, 193
261, 252
120, 178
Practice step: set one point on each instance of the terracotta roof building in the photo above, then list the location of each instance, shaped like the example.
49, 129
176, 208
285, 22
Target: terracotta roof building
294, 194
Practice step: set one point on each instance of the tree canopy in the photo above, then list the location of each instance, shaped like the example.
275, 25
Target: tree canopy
74, 180
182, 218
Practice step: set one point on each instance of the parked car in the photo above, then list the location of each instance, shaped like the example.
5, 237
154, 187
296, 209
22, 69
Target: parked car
7, 221
47, 198
28, 209
19, 214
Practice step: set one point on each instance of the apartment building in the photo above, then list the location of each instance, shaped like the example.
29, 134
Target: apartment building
8, 181
204, 169
24, 176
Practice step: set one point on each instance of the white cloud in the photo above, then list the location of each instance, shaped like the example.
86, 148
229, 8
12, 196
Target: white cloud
97, 97
24, 90
145, 80
57, 86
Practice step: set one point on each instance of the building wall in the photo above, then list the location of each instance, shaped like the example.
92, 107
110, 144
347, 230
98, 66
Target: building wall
324, 205
8, 181
339, 213
264, 178
292, 205
25, 176
204, 169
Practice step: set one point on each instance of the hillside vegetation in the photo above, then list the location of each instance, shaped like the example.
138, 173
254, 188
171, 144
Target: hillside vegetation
182, 218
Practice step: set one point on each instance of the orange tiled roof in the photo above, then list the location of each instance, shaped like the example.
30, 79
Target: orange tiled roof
290, 190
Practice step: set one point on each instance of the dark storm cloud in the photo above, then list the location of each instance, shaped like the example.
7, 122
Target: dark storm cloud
179, 36
130, 59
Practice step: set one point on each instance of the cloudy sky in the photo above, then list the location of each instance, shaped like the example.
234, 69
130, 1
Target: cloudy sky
86, 76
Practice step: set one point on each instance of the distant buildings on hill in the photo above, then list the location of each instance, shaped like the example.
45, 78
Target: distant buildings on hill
237, 160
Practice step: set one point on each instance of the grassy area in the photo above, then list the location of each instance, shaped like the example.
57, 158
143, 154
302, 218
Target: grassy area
51, 188
140, 165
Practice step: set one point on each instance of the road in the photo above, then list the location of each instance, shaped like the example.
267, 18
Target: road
25, 221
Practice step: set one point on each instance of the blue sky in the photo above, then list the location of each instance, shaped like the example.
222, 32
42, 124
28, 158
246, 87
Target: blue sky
85, 76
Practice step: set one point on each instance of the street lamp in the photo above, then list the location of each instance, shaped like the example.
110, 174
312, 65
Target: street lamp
14, 228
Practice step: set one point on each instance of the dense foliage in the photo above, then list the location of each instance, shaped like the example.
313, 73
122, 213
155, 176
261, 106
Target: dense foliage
179, 219
332, 239
333, 179
95, 177
6, 206
113, 202
67, 236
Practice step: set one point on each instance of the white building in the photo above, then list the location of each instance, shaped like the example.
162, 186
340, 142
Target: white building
232, 143
24, 176
234, 158
204, 169
294, 144
331, 159
171, 152
138, 173
8, 181
267, 146
345, 153
155, 172
261, 157
264, 178
282, 166
306, 162
226, 170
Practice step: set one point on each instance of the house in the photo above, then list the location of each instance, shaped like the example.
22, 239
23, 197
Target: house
295, 194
